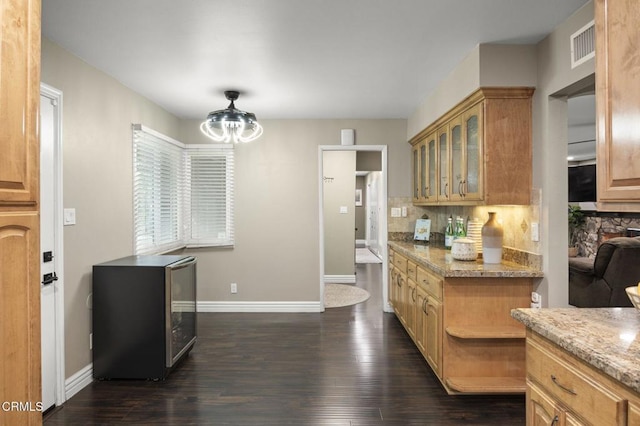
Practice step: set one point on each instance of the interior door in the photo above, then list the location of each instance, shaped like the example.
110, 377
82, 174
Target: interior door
47, 258
372, 207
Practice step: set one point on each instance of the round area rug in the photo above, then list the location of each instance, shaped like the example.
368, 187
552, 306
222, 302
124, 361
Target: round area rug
338, 295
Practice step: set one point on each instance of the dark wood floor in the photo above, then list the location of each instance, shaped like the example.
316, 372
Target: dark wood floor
348, 366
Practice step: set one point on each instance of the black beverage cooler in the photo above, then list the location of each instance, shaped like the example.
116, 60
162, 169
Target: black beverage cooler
144, 316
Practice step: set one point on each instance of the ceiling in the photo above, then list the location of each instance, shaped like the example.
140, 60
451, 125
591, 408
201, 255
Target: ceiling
291, 58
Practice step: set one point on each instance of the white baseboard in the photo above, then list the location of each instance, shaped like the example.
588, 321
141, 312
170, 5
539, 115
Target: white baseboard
226, 306
361, 243
78, 381
346, 279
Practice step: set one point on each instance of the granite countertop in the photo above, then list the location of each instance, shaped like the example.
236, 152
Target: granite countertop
606, 338
439, 260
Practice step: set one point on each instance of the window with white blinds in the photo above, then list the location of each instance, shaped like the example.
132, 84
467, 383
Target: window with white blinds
182, 194
210, 195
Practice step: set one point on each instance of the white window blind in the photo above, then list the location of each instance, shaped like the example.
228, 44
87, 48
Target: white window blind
210, 195
182, 194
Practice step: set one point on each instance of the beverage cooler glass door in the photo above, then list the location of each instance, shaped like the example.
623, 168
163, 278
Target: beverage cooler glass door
181, 308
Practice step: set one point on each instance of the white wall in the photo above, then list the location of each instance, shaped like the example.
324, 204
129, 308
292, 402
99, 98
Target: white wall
550, 149
463, 79
547, 67
276, 257
96, 137
339, 167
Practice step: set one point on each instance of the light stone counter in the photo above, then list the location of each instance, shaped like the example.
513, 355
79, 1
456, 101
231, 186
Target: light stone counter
440, 261
606, 338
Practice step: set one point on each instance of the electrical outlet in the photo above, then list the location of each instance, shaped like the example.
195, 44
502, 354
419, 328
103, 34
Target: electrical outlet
234, 288
90, 341
536, 300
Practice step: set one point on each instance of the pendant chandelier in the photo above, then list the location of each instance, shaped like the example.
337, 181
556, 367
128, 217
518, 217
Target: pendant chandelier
231, 125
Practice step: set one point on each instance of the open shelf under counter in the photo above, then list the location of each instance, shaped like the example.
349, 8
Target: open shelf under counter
487, 385
505, 332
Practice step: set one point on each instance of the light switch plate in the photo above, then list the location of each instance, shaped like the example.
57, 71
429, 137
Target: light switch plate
535, 231
395, 211
69, 216
344, 210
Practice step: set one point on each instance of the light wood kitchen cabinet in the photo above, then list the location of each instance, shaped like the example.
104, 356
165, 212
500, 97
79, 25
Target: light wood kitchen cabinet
463, 326
558, 384
417, 177
542, 410
483, 347
425, 171
19, 212
483, 151
428, 318
633, 417
421, 320
433, 333
444, 160
618, 104
410, 303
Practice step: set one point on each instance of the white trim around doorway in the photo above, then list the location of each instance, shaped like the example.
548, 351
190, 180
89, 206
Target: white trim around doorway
383, 225
56, 97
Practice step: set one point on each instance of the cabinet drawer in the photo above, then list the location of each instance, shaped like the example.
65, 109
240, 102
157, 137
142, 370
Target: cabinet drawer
430, 282
577, 389
400, 262
412, 270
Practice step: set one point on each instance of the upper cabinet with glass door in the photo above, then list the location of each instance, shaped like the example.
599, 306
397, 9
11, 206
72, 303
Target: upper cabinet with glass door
425, 185
481, 152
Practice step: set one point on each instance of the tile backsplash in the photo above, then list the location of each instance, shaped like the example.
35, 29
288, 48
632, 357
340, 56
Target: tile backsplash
516, 222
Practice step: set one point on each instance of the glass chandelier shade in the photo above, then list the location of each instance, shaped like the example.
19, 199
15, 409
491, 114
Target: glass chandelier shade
231, 125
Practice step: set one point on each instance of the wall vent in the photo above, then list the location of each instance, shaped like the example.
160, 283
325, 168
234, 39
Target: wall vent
583, 45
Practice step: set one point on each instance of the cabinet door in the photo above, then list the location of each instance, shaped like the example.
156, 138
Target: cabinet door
392, 286
571, 420
457, 167
444, 186
432, 167
472, 187
618, 103
400, 300
421, 320
20, 314
424, 183
541, 408
410, 307
417, 184
20, 94
20, 379
634, 414
434, 335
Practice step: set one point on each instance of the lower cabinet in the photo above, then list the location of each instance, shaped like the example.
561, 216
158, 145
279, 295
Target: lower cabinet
428, 335
463, 326
541, 408
562, 390
433, 333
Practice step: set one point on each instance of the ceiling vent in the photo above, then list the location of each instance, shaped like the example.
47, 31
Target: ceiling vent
583, 46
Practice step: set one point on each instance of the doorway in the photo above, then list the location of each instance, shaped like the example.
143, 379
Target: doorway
382, 207
51, 287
